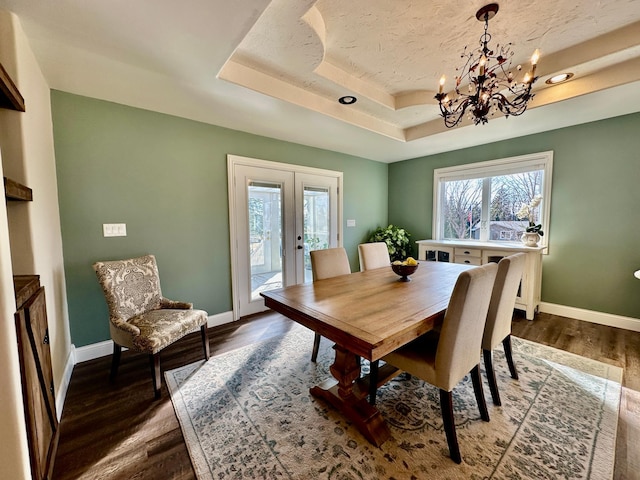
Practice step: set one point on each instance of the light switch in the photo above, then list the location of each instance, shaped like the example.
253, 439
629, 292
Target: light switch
351, 223
114, 229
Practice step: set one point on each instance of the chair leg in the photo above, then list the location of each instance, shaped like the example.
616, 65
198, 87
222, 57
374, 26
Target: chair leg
478, 390
154, 361
491, 376
205, 341
373, 381
506, 343
115, 361
316, 347
446, 405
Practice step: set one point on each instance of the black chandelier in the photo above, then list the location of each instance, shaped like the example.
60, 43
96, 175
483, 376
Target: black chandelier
494, 88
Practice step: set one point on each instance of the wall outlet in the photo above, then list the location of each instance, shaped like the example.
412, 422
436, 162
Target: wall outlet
351, 223
114, 229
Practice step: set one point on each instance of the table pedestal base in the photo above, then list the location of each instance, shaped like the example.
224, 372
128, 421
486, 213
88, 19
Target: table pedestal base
348, 398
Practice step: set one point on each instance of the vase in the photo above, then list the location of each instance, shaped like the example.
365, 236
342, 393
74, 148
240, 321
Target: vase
530, 239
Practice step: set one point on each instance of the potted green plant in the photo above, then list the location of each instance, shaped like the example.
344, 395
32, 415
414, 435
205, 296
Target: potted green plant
396, 238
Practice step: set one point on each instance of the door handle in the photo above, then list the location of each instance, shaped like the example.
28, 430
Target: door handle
300, 247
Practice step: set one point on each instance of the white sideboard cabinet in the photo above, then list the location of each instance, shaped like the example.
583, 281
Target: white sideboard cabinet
479, 253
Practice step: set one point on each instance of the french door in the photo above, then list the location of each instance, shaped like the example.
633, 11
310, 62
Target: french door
278, 213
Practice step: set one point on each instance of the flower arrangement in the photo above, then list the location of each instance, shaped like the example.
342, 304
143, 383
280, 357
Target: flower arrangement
527, 212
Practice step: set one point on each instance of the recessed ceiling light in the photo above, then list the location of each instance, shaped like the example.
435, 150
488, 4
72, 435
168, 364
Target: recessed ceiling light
348, 100
563, 77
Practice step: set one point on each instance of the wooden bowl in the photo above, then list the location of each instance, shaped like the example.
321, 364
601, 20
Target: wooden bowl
404, 271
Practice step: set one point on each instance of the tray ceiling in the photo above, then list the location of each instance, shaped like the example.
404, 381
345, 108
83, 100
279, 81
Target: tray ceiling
391, 55
277, 68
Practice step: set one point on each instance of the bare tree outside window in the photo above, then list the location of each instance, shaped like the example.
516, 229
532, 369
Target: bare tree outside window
508, 194
462, 208
481, 201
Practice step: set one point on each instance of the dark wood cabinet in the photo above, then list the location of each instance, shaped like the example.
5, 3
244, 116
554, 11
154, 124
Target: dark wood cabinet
37, 377
9, 95
15, 191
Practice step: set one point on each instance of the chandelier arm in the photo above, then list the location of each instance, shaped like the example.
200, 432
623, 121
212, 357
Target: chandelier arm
514, 107
488, 77
453, 117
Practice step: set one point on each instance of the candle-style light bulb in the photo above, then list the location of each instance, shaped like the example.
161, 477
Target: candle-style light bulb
534, 61
535, 57
483, 61
442, 80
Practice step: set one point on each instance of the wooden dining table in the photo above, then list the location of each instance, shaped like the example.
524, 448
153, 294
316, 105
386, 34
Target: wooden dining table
367, 315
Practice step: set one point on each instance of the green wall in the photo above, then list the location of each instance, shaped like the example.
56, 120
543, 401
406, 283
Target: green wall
594, 242
166, 178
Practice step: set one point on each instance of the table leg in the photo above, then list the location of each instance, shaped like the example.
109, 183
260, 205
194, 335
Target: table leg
347, 397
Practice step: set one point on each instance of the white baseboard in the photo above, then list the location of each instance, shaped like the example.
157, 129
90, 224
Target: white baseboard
102, 349
61, 393
95, 350
219, 319
609, 319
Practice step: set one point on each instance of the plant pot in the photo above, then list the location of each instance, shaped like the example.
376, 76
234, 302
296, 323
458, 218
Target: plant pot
530, 239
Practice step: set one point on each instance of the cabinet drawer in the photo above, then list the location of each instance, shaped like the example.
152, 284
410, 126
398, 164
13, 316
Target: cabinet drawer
468, 260
468, 252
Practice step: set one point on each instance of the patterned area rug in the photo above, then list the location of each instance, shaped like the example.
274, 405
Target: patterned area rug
248, 414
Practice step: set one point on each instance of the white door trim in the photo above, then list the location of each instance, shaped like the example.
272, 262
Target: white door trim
236, 160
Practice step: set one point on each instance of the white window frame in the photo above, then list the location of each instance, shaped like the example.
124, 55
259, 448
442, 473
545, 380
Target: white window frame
491, 168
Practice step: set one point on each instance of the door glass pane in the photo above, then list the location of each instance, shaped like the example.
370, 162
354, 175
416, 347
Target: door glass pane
508, 195
316, 224
265, 237
462, 212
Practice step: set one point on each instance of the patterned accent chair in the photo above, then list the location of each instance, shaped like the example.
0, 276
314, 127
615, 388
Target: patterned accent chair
140, 318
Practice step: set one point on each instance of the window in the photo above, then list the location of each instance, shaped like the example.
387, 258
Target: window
482, 201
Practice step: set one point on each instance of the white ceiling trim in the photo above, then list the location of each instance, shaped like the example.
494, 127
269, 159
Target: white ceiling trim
167, 58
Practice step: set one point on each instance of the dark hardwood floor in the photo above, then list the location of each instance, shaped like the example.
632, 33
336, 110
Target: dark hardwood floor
118, 431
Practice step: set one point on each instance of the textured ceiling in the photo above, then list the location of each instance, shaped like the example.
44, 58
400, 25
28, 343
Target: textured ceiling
390, 55
276, 68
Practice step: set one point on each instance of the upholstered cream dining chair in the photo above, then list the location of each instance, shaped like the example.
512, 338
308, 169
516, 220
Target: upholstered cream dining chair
140, 318
327, 263
373, 255
498, 326
444, 360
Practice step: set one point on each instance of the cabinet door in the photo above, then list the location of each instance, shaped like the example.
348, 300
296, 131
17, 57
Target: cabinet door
37, 384
494, 256
435, 253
